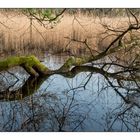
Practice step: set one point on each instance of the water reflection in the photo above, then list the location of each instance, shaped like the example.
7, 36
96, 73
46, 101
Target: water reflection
85, 99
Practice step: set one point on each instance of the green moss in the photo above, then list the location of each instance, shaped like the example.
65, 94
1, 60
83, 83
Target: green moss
68, 64
80, 61
72, 61
9, 62
30, 63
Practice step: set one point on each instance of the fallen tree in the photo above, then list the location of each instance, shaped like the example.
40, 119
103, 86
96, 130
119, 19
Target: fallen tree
75, 65
35, 68
33, 84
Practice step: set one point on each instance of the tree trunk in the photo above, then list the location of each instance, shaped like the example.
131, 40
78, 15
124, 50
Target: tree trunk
30, 63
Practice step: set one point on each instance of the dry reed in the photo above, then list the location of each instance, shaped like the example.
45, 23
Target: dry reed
18, 37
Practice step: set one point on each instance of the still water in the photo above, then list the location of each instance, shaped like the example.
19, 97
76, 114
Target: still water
86, 102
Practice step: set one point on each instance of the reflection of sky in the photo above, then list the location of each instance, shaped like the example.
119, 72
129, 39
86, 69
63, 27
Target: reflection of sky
54, 62
6, 79
95, 106
90, 99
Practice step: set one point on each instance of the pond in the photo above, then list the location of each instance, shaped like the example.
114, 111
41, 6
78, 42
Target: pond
87, 101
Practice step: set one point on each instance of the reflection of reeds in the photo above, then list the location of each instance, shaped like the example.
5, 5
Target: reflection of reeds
15, 36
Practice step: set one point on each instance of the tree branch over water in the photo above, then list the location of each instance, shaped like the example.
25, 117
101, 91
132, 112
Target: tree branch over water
75, 65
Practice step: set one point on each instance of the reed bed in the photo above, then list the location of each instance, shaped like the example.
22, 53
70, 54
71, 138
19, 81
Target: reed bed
18, 36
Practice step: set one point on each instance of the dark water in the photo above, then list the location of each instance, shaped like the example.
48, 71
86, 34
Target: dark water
86, 102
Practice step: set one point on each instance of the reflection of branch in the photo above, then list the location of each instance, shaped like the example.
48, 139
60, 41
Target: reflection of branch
32, 84
127, 100
29, 87
116, 90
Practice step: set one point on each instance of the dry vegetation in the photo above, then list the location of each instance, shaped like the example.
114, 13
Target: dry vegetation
18, 37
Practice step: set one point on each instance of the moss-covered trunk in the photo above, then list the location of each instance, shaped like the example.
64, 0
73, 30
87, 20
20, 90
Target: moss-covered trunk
30, 63
34, 67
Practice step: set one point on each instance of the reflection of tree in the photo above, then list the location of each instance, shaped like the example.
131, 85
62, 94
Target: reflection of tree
32, 84
128, 114
65, 112
59, 113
